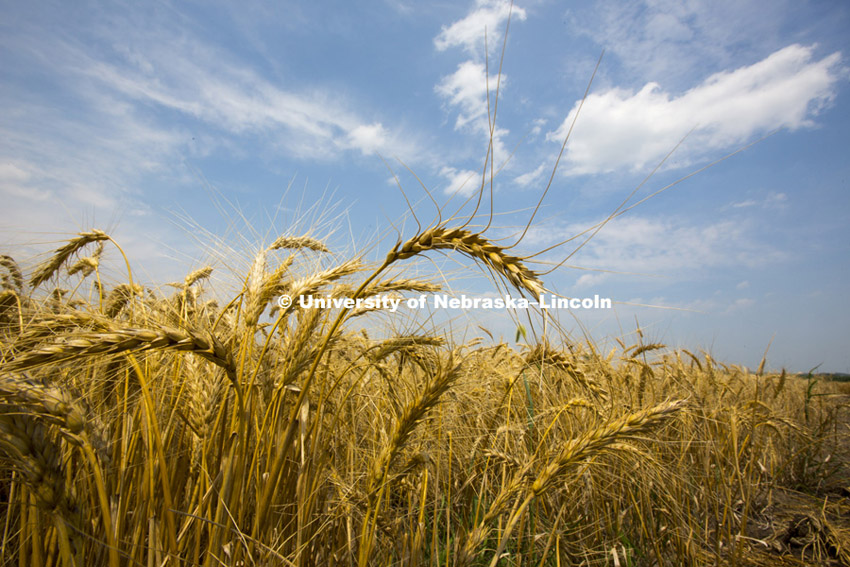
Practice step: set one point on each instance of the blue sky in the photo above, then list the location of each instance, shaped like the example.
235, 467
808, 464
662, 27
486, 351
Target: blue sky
188, 127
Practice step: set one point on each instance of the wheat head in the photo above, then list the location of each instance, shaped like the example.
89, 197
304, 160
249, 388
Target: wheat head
476, 247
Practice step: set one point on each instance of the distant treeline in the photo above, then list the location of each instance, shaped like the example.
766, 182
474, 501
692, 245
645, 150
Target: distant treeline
831, 376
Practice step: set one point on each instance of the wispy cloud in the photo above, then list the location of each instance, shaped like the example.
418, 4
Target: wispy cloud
462, 182
467, 89
527, 179
673, 247
15, 181
773, 200
619, 128
99, 120
468, 32
207, 85
669, 39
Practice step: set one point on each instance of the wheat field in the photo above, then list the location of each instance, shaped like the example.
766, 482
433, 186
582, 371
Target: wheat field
191, 425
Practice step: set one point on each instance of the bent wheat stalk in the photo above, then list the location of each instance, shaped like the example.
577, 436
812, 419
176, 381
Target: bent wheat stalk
62, 254
196, 276
126, 339
476, 247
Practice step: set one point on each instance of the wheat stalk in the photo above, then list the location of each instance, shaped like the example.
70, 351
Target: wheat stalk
411, 416
585, 445
205, 389
312, 284
271, 286
394, 344
299, 349
8, 299
88, 264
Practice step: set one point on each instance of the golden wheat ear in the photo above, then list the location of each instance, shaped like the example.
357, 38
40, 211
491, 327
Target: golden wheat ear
14, 279
476, 247
62, 254
125, 339
196, 276
298, 242
50, 402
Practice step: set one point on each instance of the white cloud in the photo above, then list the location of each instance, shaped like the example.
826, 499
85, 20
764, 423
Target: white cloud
10, 172
589, 280
466, 88
673, 40
740, 304
777, 200
469, 32
672, 247
744, 204
126, 115
531, 177
16, 182
538, 127
227, 97
368, 138
619, 128
773, 200
462, 182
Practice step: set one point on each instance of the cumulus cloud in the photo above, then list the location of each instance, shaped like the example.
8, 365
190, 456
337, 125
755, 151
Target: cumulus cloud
466, 90
619, 128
